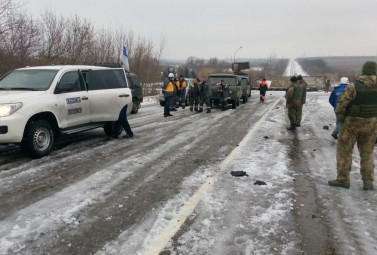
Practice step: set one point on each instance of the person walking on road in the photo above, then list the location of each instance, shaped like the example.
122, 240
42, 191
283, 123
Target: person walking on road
262, 87
301, 85
168, 91
205, 95
334, 98
356, 110
293, 102
122, 123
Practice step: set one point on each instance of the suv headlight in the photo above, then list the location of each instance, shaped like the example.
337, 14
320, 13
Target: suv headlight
8, 109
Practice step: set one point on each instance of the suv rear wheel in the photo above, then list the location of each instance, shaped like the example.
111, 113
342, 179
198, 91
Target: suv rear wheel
38, 139
109, 127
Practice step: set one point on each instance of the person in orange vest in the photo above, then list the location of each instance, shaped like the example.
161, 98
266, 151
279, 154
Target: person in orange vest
262, 87
168, 91
181, 93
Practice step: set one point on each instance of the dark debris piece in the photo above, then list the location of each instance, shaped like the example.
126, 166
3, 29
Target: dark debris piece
326, 127
260, 183
238, 173
266, 137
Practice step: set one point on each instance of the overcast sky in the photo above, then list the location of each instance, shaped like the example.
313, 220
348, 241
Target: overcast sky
217, 28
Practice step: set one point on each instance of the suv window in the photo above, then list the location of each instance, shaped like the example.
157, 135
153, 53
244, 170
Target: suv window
32, 79
72, 78
106, 79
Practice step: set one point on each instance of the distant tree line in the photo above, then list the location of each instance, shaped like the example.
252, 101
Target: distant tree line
55, 39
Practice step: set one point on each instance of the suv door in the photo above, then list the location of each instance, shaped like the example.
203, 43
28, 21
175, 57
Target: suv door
72, 98
108, 93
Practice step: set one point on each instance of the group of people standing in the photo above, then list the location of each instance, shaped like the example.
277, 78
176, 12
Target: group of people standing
175, 93
295, 99
355, 106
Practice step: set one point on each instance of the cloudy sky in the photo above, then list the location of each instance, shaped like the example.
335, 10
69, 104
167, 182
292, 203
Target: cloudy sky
217, 28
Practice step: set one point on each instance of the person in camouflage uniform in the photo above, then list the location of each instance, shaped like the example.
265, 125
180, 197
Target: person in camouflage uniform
356, 109
294, 99
205, 95
301, 85
194, 95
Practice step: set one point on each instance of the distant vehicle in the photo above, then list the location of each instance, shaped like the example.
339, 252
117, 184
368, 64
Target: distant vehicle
39, 104
239, 88
137, 92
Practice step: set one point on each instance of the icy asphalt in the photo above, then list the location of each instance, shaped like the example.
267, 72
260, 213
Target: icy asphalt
169, 190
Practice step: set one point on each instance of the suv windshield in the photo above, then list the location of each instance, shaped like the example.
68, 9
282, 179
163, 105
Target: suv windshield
217, 79
35, 79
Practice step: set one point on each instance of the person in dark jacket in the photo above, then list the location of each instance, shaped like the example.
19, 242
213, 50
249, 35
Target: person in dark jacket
205, 95
356, 109
262, 87
334, 98
194, 95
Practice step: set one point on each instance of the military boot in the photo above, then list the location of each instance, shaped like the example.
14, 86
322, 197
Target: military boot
191, 109
292, 127
200, 110
208, 110
368, 186
196, 109
340, 184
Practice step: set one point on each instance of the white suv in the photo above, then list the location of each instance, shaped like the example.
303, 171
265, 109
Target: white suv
38, 104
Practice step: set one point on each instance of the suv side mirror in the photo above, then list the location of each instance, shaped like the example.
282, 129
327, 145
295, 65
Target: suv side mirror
64, 87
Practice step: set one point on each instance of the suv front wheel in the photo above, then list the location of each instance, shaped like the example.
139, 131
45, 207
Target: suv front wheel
38, 139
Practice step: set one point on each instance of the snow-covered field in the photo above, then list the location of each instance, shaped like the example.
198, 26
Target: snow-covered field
169, 190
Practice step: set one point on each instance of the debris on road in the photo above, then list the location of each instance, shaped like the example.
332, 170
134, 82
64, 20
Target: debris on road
260, 183
238, 173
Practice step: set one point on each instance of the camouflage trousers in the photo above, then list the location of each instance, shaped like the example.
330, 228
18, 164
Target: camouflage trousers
363, 132
299, 114
292, 114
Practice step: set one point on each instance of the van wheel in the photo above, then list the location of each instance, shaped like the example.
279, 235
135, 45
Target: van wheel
38, 139
234, 104
135, 107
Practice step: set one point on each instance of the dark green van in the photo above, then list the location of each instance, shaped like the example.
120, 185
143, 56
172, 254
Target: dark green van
137, 92
239, 88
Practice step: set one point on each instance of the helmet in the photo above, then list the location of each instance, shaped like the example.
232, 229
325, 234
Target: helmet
171, 75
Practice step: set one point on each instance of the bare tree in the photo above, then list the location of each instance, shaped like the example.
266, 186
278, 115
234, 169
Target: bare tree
54, 36
80, 40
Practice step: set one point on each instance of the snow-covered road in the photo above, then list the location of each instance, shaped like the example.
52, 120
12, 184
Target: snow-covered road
169, 190
294, 68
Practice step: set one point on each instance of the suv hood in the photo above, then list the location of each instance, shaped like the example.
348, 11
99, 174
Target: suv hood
13, 96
